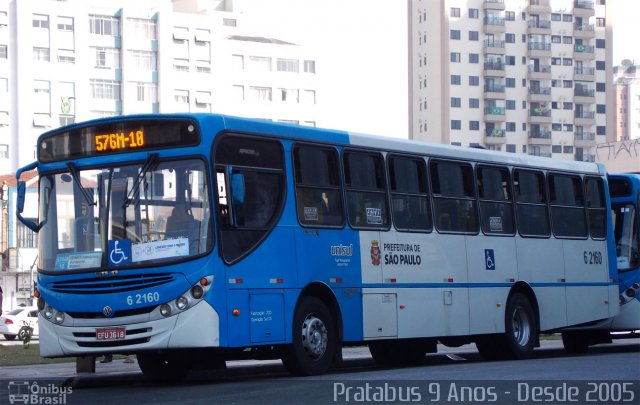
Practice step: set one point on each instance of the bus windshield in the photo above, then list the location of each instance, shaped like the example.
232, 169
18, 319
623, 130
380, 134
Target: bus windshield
139, 214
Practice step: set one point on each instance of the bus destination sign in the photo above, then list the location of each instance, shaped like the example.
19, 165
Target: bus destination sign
106, 138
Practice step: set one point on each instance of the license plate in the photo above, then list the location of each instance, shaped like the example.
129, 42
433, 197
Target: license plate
110, 333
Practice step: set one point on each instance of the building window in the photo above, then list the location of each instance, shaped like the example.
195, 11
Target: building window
455, 12
474, 103
288, 65
40, 21
509, 15
600, 22
3, 51
4, 151
454, 34
474, 80
105, 89
567, 40
473, 13
601, 108
260, 63
510, 104
600, 43
107, 58
474, 58
41, 54
65, 24
567, 17
455, 79
456, 102
143, 28
510, 126
510, 82
144, 60
455, 57
66, 56
310, 66
456, 124
474, 125
146, 92
26, 237
104, 25
474, 36
600, 65
510, 38
555, 39
600, 87
260, 93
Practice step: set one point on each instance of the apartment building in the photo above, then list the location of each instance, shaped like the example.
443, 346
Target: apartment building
521, 76
68, 61
627, 101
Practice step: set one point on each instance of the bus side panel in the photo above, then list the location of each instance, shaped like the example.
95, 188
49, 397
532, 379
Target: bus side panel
332, 257
541, 264
586, 261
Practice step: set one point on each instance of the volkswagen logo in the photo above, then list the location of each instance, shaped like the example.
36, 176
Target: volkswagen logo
107, 311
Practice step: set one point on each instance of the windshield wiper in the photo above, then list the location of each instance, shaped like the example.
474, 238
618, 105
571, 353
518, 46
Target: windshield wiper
76, 179
148, 164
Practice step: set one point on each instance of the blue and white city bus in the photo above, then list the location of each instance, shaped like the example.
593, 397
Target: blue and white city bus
191, 239
625, 197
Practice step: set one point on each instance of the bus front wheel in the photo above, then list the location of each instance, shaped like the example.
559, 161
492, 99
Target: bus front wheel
315, 339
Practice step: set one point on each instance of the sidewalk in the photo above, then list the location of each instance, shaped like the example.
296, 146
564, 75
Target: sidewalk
65, 370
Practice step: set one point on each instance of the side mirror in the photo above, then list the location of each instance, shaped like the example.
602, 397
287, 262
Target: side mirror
237, 188
22, 187
22, 191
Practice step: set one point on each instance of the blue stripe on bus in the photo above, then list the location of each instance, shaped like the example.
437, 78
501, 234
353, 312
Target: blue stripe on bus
479, 285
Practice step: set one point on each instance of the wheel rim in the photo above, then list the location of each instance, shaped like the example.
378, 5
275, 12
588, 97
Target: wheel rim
314, 336
521, 326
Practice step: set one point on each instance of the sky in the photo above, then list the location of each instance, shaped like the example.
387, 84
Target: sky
626, 30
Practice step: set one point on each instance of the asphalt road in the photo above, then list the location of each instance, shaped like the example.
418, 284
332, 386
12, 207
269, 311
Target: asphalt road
607, 374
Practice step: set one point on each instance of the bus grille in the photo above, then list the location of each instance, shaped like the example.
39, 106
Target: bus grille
111, 285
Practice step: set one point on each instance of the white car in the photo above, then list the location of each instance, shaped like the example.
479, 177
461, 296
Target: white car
11, 322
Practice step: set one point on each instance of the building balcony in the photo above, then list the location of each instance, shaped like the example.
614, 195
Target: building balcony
493, 4
540, 154
539, 94
493, 46
494, 91
494, 69
540, 72
539, 27
585, 158
584, 140
539, 49
586, 31
538, 7
494, 114
539, 115
584, 118
584, 74
583, 8
541, 137
495, 136
584, 95
583, 52
493, 25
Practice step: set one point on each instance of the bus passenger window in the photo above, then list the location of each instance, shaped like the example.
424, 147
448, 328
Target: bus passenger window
596, 209
364, 178
454, 202
568, 217
318, 188
532, 213
410, 206
626, 236
496, 204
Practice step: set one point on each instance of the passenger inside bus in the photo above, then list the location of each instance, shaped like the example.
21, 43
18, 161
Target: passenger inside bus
181, 223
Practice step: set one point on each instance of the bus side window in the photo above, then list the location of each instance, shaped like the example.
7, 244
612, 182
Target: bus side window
364, 178
318, 188
496, 204
596, 209
454, 201
532, 213
410, 205
568, 216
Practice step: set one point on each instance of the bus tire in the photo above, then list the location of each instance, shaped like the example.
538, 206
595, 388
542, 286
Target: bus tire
315, 339
163, 366
575, 342
520, 327
10, 337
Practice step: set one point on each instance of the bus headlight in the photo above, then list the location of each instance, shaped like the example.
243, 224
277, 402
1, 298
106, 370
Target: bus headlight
59, 317
165, 310
48, 312
182, 303
197, 292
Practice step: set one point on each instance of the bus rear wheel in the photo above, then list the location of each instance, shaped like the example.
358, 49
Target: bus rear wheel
163, 365
520, 336
315, 339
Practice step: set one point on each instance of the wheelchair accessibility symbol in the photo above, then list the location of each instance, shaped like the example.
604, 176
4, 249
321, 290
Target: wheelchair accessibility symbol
119, 252
489, 259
